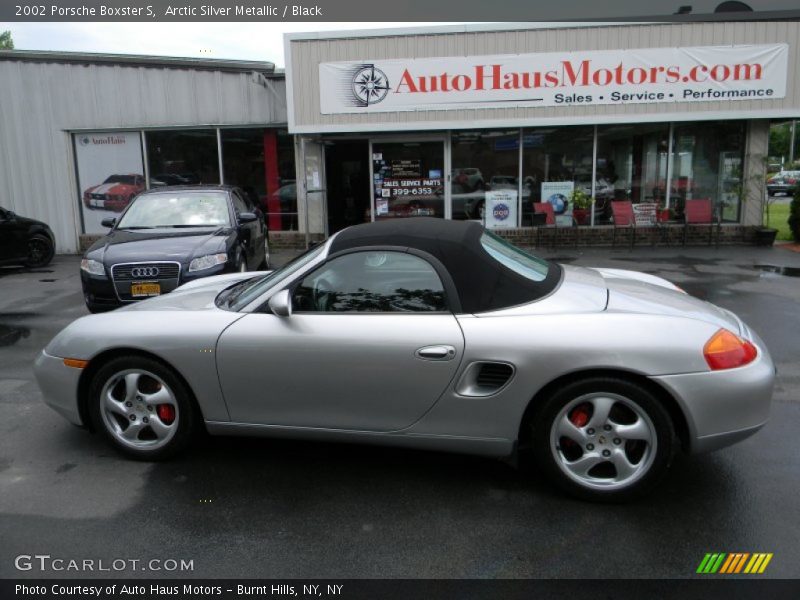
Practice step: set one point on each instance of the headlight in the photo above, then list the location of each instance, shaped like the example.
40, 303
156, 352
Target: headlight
207, 261
93, 267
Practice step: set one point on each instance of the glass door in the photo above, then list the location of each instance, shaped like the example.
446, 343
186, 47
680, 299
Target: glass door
312, 210
408, 179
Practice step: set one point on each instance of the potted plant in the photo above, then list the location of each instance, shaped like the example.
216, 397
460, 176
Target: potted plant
581, 205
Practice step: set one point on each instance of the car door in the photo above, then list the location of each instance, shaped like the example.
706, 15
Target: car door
371, 345
13, 240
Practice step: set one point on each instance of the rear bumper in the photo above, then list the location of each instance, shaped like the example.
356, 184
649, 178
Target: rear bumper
724, 407
59, 385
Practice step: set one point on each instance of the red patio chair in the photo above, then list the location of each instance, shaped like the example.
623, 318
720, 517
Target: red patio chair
622, 212
546, 209
700, 211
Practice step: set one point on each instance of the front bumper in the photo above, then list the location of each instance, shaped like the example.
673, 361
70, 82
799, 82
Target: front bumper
100, 293
59, 385
724, 407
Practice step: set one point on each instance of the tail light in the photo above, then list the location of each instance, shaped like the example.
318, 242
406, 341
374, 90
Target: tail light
792, 181
726, 350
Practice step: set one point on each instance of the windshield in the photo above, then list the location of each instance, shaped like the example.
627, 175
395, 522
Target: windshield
177, 209
244, 293
515, 259
126, 179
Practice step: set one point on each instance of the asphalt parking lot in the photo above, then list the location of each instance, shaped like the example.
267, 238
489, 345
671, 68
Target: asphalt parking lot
263, 508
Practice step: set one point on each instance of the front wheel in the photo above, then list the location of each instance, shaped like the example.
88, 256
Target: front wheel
142, 408
603, 439
40, 251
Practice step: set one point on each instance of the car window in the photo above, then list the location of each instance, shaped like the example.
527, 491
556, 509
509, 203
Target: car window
238, 203
515, 259
374, 281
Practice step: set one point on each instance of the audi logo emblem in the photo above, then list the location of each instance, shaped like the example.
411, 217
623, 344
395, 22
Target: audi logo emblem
144, 272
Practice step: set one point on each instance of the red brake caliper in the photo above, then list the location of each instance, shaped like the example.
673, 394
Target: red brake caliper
579, 416
166, 412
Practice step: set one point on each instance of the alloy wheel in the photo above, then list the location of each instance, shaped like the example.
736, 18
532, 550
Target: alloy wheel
603, 441
139, 410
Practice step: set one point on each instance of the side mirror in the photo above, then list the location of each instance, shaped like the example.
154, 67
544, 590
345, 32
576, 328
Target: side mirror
247, 217
281, 304
10, 215
109, 222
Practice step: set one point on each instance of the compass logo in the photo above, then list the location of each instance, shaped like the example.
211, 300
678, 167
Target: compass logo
370, 85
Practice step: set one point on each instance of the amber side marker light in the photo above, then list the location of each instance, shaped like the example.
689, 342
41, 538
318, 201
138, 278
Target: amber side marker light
726, 350
76, 363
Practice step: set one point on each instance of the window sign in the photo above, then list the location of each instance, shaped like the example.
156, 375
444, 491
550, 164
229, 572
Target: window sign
558, 194
501, 209
407, 179
110, 174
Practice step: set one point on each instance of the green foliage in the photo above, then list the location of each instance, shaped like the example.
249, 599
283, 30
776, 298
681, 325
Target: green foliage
580, 199
6, 43
794, 215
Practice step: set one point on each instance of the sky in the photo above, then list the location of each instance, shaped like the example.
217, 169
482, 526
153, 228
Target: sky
243, 41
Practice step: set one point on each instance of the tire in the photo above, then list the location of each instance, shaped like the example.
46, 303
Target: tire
40, 251
153, 384
613, 459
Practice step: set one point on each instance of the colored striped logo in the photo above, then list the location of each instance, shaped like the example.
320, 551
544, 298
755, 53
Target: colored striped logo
735, 562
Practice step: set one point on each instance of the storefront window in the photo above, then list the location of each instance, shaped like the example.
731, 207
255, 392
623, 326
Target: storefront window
631, 164
484, 161
555, 161
261, 162
183, 157
408, 179
707, 163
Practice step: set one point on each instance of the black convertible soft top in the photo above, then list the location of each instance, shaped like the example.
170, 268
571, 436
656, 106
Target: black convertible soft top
481, 281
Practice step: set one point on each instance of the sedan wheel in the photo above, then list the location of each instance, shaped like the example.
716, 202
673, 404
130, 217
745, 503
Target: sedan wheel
40, 252
604, 439
142, 408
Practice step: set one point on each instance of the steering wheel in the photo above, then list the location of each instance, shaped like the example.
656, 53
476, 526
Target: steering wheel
321, 294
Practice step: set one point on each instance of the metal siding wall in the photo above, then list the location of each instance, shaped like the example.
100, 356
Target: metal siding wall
307, 54
42, 101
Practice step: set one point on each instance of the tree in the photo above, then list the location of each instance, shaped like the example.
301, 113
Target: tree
6, 43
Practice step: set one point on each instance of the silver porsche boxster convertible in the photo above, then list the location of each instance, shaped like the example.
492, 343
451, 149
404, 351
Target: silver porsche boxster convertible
428, 334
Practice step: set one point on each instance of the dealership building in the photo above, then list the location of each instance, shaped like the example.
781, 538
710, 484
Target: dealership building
81, 134
455, 122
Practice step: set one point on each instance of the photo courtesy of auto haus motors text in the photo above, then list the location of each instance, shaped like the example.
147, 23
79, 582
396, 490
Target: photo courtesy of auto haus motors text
647, 75
182, 590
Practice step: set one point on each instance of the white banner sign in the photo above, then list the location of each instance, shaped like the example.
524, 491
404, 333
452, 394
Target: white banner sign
648, 75
500, 210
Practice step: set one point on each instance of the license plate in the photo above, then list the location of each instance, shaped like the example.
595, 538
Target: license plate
145, 289
98, 203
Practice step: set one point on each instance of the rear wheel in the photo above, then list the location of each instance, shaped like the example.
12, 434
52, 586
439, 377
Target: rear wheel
40, 251
142, 408
603, 439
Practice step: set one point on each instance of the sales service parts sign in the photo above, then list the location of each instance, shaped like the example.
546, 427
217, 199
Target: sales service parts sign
649, 75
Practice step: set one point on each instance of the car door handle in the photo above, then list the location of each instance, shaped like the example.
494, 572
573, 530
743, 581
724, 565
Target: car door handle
436, 353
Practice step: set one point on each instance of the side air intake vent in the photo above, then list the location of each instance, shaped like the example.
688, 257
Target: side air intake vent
494, 375
484, 378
